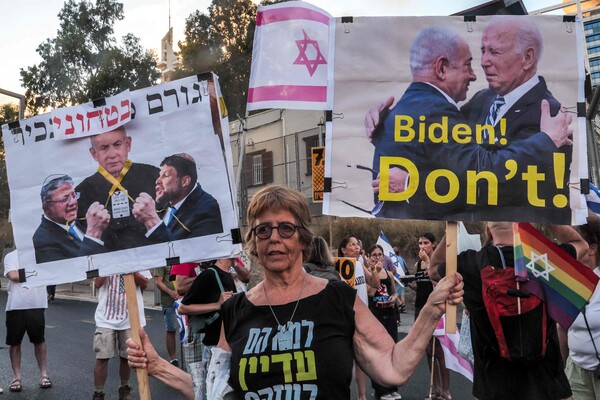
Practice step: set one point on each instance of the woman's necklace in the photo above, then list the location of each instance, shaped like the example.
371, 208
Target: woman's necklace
284, 328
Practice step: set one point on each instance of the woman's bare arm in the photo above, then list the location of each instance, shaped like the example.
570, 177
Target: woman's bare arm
392, 363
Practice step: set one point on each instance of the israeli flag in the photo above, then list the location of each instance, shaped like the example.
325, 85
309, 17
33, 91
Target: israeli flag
593, 199
181, 321
398, 261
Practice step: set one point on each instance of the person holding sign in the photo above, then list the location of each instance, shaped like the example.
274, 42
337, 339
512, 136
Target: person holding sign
113, 329
382, 302
426, 173
187, 210
495, 377
115, 185
59, 236
363, 277
303, 332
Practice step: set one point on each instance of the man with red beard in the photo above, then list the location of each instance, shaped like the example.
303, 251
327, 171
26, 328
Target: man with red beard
184, 209
59, 236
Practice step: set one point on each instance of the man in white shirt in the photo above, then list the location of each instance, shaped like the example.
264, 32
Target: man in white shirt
24, 313
113, 328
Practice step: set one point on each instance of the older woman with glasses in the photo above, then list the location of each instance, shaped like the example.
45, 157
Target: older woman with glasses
295, 335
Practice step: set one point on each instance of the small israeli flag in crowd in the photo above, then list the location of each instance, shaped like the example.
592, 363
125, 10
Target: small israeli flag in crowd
593, 199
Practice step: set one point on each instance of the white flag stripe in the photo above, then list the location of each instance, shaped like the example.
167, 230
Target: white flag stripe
388, 250
593, 199
467, 241
282, 41
449, 343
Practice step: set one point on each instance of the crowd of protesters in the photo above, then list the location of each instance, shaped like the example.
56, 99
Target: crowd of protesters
358, 326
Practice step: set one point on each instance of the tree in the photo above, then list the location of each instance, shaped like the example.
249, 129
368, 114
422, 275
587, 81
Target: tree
83, 62
221, 41
8, 112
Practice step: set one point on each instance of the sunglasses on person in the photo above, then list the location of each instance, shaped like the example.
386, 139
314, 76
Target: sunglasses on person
284, 229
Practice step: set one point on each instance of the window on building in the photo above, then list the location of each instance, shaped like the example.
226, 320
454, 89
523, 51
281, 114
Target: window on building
258, 168
592, 38
595, 63
594, 49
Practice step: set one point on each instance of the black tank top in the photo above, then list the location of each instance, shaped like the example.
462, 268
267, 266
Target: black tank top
313, 361
424, 286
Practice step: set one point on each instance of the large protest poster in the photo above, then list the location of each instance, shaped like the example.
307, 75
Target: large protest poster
88, 191
431, 161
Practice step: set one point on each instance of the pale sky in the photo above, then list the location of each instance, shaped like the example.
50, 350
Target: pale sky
27, 23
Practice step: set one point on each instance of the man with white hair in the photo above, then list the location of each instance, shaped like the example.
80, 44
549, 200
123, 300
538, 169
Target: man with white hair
511, 49
59, 236
440, 61
116, 184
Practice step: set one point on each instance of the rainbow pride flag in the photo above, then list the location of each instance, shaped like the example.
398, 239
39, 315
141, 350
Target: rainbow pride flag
551, 274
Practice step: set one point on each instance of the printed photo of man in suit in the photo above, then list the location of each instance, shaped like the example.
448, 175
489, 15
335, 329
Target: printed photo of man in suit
116, 184
440, 61
511, 50
185, 209
59, 236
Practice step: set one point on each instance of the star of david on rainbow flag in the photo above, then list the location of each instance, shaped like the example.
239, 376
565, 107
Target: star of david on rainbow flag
550, 273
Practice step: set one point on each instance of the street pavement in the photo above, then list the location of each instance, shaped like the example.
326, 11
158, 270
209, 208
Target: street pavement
69, 332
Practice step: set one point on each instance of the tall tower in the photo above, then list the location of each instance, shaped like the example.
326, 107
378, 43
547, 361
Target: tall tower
168, 59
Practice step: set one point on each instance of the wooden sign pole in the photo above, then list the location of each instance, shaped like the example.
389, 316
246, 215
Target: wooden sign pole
134, 320
451, 256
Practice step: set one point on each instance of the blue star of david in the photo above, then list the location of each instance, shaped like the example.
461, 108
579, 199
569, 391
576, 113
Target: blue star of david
303, 46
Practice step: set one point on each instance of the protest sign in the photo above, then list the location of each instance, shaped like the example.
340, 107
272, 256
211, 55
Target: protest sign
105, 203
346, 267
463, 134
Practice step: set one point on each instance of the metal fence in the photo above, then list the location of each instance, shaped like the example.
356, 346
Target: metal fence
282, 160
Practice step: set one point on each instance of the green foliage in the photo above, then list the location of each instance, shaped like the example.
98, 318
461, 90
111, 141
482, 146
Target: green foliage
83, 62
221, 41
8, 112
6, 235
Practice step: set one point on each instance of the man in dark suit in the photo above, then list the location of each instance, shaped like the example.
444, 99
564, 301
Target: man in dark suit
186, 210
511, 49
59, 236
116, 184
441, 69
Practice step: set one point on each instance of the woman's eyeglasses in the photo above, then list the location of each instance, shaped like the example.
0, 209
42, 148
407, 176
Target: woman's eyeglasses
284, 229
376, 255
